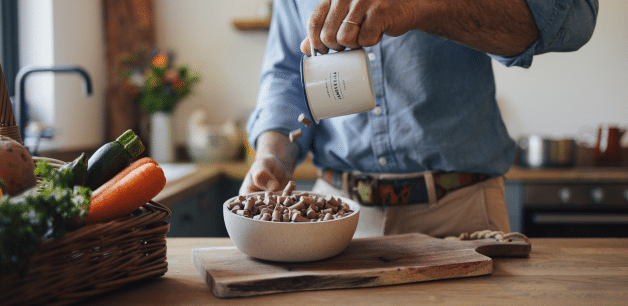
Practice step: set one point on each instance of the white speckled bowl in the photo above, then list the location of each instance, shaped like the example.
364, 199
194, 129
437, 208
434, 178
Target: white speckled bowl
291, 241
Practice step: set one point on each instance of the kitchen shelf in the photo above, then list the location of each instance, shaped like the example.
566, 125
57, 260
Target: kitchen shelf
255, 23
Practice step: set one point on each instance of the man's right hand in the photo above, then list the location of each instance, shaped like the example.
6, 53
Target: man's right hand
267, 173
493, 26
274, 164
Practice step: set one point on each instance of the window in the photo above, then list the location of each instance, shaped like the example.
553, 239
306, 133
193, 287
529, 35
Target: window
9, 42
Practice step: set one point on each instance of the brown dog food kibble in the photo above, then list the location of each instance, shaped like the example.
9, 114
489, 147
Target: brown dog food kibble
290, 207
287, 191
305, 120
295, 134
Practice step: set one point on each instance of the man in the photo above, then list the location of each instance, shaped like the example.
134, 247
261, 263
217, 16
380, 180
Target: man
430, 157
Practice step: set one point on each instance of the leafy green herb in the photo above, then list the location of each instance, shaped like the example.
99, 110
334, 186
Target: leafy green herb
38, 214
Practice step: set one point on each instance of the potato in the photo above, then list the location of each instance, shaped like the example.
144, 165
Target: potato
17, 169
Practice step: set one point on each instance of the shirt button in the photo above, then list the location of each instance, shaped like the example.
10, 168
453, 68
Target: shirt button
382, 161
372, 56
377, 111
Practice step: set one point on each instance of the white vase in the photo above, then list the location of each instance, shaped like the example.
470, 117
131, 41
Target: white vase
161, 146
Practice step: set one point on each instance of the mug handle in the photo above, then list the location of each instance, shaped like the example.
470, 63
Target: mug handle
312, 50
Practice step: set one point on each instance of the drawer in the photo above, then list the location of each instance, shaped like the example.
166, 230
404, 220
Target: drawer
576, 194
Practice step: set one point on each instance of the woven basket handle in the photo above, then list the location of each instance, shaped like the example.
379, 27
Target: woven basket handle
8, 126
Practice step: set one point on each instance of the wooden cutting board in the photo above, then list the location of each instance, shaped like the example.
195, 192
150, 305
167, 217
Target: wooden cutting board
366, 262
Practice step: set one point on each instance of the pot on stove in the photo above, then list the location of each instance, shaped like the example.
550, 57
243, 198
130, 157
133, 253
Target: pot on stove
536, 151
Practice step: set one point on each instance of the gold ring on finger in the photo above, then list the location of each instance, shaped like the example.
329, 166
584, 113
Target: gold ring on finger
351, 22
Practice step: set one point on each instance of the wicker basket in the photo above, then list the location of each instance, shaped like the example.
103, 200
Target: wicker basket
92, 259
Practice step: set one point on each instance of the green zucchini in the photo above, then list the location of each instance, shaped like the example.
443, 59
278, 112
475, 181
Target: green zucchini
112, 158
78, 167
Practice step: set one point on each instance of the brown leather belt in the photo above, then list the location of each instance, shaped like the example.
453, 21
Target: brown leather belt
373, 190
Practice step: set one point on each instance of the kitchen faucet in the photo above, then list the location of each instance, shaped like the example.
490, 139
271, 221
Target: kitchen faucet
20, 85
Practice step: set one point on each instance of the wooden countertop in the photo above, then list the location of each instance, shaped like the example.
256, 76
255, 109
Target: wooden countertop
207, 174
557, 272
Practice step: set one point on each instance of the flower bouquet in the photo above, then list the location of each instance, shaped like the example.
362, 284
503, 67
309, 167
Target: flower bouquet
152, 79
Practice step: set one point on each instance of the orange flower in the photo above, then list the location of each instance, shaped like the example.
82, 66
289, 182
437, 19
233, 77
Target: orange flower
160, 60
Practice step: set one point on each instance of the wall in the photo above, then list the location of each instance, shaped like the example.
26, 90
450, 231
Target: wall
560, 95
567, 94
64, 32
35, 30
229, 60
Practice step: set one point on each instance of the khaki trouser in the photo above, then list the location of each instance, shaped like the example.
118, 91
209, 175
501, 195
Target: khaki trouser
478, 207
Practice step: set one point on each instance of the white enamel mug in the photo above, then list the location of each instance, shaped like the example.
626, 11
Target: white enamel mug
337, 84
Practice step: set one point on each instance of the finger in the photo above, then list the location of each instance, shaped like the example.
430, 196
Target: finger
373, 26
282, 176
348, 35
315, 25
329, 33
305, 46
248, 186
265, 180
284, 181
351, 25
261, 176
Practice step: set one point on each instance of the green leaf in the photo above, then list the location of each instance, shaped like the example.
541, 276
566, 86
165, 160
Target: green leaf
38, 213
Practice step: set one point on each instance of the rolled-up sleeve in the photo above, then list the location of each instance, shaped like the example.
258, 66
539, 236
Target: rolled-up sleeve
281, 98
564, 26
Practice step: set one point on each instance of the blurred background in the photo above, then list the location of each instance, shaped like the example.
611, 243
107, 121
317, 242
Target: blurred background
568, 112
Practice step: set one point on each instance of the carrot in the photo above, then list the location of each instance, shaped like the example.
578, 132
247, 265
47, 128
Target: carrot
134, 165
127, 191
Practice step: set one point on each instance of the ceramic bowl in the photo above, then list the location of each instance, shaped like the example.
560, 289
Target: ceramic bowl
291, 241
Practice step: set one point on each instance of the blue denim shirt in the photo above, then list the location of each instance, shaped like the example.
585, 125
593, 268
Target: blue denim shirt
435, 98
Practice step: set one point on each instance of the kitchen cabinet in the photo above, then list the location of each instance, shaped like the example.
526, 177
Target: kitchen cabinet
196, 199
197, 216
568, 202
200, 214
514, 193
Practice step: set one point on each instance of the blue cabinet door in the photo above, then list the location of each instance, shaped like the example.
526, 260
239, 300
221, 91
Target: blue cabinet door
514, 204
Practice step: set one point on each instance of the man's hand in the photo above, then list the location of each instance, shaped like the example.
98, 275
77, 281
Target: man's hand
267, 173
274, 163
370, 19
494, 26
